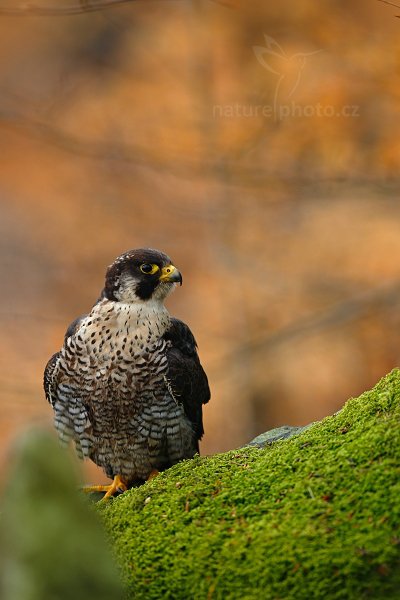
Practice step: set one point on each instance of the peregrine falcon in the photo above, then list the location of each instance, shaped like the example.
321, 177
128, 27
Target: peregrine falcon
127, 385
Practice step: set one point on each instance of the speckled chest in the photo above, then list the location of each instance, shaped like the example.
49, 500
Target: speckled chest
118, 353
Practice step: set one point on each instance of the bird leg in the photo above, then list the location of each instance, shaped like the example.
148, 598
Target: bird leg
118, 485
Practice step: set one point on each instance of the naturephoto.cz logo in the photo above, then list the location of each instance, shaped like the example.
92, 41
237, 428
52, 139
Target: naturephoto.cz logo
287, 70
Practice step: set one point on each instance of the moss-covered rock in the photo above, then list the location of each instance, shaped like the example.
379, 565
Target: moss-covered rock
314, 516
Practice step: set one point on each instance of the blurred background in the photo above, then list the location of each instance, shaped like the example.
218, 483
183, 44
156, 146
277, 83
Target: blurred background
256, 143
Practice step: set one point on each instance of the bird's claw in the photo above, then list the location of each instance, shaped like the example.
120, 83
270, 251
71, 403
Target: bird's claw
118, 485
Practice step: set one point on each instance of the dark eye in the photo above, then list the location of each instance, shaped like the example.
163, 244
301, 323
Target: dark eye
148, 269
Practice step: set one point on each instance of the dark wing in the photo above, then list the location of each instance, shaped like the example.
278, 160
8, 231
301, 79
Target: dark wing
186, 375
49, 383
70, 415
48, 380
74, 326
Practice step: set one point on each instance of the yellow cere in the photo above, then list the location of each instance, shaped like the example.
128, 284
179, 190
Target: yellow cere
166, 272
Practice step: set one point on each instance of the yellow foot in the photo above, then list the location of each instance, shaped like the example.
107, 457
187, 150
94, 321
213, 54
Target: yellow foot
153, 474
118, 485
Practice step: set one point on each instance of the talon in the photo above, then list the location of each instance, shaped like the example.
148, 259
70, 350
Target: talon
118, 485
152, 474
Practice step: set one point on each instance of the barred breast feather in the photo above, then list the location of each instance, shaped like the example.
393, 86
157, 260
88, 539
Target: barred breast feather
127, 388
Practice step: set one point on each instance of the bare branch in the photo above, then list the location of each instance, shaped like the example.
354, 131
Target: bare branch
155, 159
345, 311
391, 4
179, 165
84, 6
95, 149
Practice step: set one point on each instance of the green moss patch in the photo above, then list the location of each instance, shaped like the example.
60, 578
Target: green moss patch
315, 516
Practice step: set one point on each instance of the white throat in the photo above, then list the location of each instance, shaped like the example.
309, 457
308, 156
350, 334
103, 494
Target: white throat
142, 314
147, 320
122, 329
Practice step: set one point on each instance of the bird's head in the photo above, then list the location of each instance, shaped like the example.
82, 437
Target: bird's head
140, 275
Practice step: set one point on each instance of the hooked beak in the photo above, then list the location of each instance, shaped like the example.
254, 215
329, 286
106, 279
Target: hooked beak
170, 274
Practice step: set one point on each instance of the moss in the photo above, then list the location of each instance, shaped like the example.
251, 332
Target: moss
315, 516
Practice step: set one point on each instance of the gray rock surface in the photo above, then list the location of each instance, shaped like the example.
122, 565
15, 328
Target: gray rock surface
279, 433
